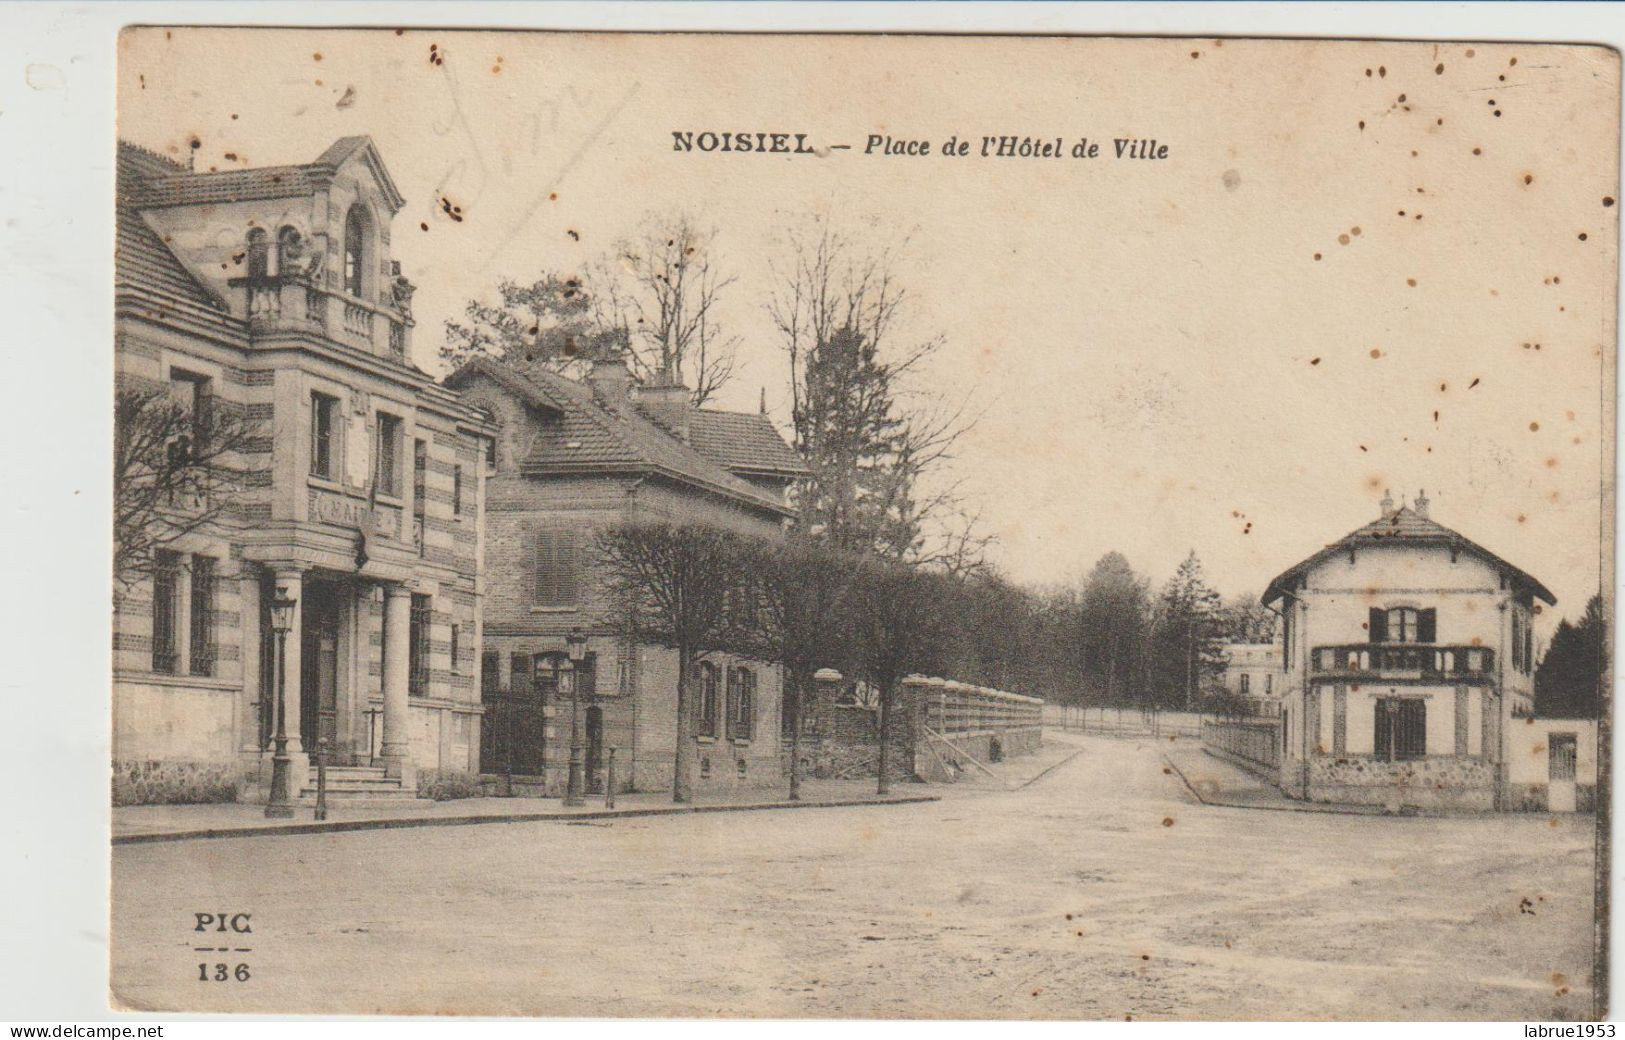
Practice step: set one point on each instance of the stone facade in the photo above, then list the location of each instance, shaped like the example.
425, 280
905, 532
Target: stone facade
271, 293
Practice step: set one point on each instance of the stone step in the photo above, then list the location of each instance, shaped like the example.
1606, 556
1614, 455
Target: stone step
349, 794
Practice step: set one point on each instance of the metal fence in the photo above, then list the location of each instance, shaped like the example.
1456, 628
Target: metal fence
1256, 743
1122, 722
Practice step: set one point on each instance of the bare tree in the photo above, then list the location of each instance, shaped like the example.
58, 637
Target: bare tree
902, 625
804, 593
175, 471
663, 286
675, 581
872, 441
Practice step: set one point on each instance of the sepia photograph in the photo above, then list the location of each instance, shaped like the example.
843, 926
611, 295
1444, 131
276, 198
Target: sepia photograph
860, 526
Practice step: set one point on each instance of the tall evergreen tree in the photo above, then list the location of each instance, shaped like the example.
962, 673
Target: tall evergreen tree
1569, 681
1186, 653
1113, 616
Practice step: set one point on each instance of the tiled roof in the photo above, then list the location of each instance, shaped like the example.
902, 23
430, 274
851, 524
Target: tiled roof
587, 433
743, 441
145, 182
141, 260
1403, 527
195, 189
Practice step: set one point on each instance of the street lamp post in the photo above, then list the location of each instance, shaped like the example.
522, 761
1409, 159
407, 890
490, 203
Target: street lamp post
280, 806
577, 643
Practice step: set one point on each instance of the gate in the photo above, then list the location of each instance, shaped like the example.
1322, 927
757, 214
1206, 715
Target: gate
511, 736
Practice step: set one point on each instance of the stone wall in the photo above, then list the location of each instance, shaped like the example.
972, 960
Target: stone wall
1445, 782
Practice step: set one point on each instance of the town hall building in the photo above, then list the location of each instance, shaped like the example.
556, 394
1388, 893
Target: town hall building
271, 293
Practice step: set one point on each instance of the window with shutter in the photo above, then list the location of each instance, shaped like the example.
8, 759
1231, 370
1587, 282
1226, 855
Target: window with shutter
1427, 625
557, 566
1377, 625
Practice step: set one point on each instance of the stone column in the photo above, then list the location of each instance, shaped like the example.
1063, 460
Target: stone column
394, 745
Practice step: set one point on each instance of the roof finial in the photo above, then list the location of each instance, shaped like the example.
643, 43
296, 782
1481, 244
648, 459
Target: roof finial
1422, 504
1387, 502
764, 401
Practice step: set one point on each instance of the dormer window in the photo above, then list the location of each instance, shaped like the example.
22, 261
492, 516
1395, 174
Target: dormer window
355, 251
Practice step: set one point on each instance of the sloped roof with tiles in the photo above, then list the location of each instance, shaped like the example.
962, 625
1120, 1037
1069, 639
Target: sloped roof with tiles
1406, 527
743, 442
585, 432
153, 188
141, 259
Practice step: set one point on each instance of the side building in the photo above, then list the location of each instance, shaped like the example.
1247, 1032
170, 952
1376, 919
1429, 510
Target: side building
270, 293
571, 458
1408, 655
1252, 673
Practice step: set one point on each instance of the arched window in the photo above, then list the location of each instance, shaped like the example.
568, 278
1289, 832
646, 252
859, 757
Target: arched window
259, 254
290, 250
742, 714
355, 251
705, 676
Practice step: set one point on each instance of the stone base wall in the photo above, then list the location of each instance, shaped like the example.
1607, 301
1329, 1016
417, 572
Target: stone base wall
1533, 798
176, 783
1446, 782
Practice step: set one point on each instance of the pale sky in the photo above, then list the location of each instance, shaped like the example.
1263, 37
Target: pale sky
1143, 335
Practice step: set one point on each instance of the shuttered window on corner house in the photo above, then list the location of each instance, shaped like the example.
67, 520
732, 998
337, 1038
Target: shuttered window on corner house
557, 568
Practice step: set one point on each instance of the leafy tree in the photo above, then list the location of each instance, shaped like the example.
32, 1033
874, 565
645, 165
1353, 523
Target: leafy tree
675, 583
554, 320
1186, 641
1569, 681
176, 469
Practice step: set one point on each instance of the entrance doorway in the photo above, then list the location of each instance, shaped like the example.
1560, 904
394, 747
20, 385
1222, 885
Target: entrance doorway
319, 668
1561, 760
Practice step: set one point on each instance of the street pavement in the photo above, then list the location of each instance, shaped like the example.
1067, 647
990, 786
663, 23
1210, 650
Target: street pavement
1101, 889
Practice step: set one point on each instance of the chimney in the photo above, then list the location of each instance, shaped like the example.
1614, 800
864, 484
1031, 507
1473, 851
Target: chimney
610, 377
1422, 504
1387, 503
667, 403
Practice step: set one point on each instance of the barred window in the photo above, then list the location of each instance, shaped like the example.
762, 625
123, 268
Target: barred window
418, 649
166, 608
457, 490
456, 648
202, 619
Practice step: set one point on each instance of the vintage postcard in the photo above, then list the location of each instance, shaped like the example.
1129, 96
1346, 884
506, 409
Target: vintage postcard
862, 526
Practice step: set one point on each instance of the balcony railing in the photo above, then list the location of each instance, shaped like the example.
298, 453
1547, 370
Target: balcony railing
1402, 660
275, 303
357, 320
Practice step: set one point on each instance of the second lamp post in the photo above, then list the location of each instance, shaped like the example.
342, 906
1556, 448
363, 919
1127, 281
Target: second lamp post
577, 643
